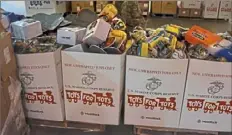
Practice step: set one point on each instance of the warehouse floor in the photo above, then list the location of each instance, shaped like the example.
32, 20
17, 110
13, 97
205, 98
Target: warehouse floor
212, 25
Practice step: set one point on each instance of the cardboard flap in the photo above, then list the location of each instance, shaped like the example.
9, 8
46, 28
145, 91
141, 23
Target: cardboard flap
2, 28
77, 48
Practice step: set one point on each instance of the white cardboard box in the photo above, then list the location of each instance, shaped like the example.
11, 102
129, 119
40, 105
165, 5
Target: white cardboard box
154, 91
45, 6
191, 4
70, 36
40, 73
208, 97
26, 29
211, 9
93, 86
225, 11
97, 32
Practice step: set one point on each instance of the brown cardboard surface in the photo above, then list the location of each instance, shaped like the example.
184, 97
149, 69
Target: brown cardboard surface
156, 7
195, 12
5, 102
169, 7
7, 56
83, 5
183, 12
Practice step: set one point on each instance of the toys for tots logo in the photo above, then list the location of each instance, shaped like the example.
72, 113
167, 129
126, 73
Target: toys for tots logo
152, 103
100, 99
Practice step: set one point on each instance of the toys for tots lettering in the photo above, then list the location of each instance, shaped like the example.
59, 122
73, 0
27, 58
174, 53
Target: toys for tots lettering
152, 103
41, 97
222, 107
101, 99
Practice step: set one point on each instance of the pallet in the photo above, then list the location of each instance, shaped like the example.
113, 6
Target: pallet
143, 130
86, 127
163, 15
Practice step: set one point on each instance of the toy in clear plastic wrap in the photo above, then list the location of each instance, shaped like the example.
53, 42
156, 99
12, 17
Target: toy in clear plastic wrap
36, 45
108, 12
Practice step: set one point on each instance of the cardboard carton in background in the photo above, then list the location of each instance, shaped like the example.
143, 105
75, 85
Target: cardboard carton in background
78, 5
144, 6
195, 13
191, 4
47, 7
41, 76
207, 101
183, 12
169, 7
93, 86
154, 91
156, 7
225, 11
211, 8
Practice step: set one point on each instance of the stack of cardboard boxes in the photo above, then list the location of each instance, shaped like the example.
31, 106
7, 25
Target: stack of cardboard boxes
78, 5
144, 6
191, 8
12, 119
7, 68
100, 5
164, 7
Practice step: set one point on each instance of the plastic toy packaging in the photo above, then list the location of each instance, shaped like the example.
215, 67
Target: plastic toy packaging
164, 42
36, 45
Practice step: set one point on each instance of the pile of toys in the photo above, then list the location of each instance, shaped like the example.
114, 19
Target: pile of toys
172, 41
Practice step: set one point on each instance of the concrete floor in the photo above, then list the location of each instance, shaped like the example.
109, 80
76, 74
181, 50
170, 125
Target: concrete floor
212, 25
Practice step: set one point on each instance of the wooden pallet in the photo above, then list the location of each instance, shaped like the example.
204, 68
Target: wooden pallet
143, 130
163, 15
87, 127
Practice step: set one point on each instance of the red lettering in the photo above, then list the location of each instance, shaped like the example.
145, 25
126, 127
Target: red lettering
135, 100
195, 104
73, 95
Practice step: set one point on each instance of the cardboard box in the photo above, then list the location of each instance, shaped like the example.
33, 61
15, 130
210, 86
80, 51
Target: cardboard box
225, 11
100, 5
45, 6
70, 36
211, 8
154, 91
195, 13
144, 6
5, 103
169, 7
6, 55
26, 29
156, 7
40, 74
191, 4
93, 86
97, 32
78, 5
207, 101
15, 123
183, 12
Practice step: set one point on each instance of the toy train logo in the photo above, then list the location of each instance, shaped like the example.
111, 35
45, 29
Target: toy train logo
153, 84
26, 78
88, 78
216, 87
